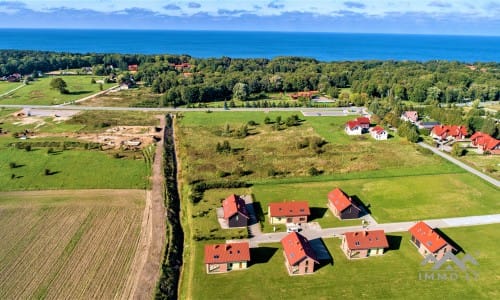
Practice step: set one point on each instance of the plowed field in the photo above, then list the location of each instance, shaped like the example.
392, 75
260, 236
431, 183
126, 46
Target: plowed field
68, 244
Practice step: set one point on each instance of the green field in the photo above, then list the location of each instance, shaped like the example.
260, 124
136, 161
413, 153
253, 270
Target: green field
488, 164
69, 244
38, 92
393, 199
266, 151
396, 179
8, 86
70, 169
395, 275
135, 97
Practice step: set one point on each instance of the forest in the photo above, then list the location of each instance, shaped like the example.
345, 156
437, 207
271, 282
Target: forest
385, 87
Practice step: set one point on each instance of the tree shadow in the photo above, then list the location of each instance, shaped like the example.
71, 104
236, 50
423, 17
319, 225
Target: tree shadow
79, 92
457, 247
261, 255
317, 213
394, 242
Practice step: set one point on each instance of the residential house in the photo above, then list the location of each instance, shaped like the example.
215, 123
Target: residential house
485, 143
449, 132
411, 116
361, 244
306, 94
182, 66
288, 212
221, 258
378, 133
428, 241
133, 68
235, 211
364, 122
16, 77
342, 206
299, 254
353, 128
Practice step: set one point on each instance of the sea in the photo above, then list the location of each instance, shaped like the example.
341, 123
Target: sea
247, 44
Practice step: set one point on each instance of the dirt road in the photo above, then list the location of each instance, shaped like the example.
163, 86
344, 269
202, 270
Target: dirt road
147, 262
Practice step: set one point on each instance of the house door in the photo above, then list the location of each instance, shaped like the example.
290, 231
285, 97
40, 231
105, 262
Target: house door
229, 266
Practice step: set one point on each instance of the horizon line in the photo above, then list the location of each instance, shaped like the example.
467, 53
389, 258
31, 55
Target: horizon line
248, 30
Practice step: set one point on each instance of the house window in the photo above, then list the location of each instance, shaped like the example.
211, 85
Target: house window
357, 243
307, 262
444, 250
237, 218
289, 220
302, 219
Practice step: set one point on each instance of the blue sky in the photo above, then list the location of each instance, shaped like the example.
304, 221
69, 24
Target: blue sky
478, 17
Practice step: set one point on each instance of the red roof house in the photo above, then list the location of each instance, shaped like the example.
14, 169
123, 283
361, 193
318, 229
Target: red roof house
299, 255
485, 143
362, 244
306, 94
411, 116
221, 258
429, 241
378, 133
288, 212
364, 122
342, 206
133, 68
353, 128
446, 132
235, 211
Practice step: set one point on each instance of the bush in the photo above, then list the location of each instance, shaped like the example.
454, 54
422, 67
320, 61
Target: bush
12, 165
313, 171
27, 147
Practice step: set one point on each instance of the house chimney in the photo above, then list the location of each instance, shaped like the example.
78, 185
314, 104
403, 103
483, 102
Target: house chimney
366, 233
228, 247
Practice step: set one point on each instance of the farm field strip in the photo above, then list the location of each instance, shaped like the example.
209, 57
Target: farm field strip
30, 249
73, 244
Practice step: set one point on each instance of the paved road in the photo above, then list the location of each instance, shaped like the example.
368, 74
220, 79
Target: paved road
461, 164
330, 111
313, 232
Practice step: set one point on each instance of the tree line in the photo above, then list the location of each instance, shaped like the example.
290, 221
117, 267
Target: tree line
224, 78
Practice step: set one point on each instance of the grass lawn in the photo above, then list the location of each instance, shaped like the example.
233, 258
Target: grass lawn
6, 86
392, 199
136, 97
394, 275
70, 169
204, 216
39, 92
488, 164
59, 244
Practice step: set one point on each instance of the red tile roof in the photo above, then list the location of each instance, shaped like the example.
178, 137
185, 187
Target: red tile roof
427, 237
363, 120
449, 130
485, 141
225, 253
133, 67
411, 115
289, 209
361, 240
378, 129
297, 248
339, 199
352, 124
232, 205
